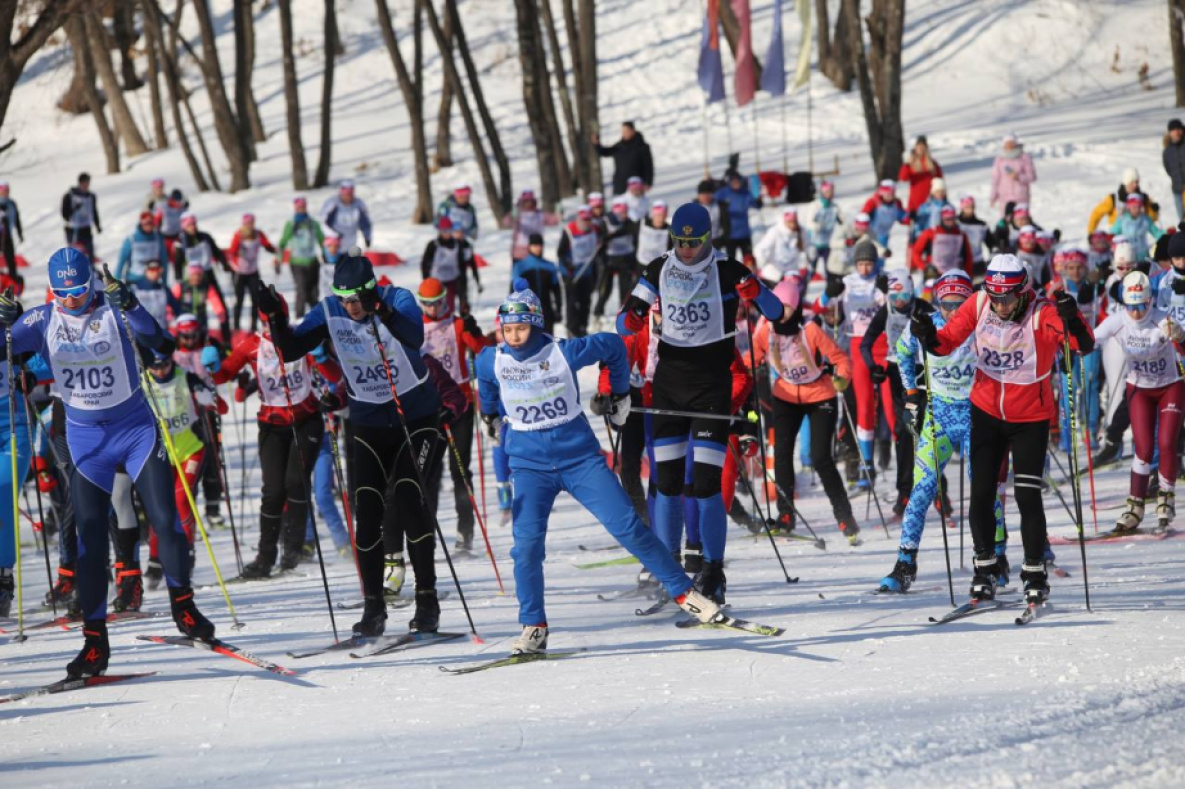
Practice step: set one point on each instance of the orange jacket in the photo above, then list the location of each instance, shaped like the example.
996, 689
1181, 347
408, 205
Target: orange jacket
817, 342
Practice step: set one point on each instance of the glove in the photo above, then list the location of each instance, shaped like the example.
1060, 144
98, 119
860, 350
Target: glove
921, 325
211, 359
1172, 330
839, 382
25, 381
267, 302
1104, 269
619, 409
748, 446
1178, 286
491, 423
882, 283
119, 294
635, 321
878, 374
243, 379
329, 402
913, 407
749, 288
471, 327
10, 308
1067, 306
599, 404
445, 417
320, 354
46, 481
834, 288
372, 303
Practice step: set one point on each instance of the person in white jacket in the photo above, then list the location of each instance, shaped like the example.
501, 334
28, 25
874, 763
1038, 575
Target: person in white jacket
783, 245
823, 218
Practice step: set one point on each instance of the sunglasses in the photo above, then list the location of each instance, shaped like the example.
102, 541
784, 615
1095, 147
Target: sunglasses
951, 306
1136, 307
69, 293
1003, 298
353, 298
692, 242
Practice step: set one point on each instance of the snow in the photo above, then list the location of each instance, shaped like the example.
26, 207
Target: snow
861, 690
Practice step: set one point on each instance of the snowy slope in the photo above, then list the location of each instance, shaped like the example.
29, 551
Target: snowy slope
861, 690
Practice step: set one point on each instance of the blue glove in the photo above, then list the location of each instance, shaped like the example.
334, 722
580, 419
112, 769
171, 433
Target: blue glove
320, 355
211, 359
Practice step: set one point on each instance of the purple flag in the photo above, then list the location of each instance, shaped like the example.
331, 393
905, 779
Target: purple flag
773, 77
711, 71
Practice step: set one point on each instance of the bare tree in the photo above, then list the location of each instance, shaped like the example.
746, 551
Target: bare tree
332, 43
414, 101
241, 11
583, 37
100, 55
154, 70
1177, 43
245, 70
224, 119
123, 30
300, 172
444, 149
15, 54
84, 66
878, 73
168, 58
531, 62
835, 59
578, 148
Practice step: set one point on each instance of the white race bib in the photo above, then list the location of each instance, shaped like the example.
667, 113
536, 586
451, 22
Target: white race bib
271, 382
692, 305
440, 342
652, 242
797, 363
446, 265
538, 393
1007, 350
353, 343
89, 366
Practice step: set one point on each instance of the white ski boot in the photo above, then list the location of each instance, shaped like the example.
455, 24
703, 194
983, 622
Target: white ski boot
396, 574
1131, 519
1166, 510
701, 607
533, 641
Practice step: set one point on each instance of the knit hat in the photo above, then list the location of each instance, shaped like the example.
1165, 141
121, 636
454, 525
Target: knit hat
1123, 254
865, 250
521, 306
1131, 175
1137, 289
948, 211
1175, 124
937, 185
787, 292
352, 274
1005, 274
1177, 245
953, 283
900, 284
431, 290
535, 238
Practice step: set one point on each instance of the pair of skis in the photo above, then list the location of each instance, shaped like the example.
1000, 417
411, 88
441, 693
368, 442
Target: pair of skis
1031, 612
381, 645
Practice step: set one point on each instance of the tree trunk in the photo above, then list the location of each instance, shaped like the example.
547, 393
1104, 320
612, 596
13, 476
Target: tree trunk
577, 146
589, 120
173, 85
1177, 43
483, 110
84, 65
835, 60
450, 71
423, 213
154, 69
444, 150
241, 9
247, 21
15, 54
100, 56
300, 173
589, 179
331, 42
123, 29
563, 172
878, 74
732, 33
224, 118
530, 58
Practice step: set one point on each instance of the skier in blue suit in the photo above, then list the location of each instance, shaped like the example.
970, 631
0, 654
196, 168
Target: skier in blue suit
552, 448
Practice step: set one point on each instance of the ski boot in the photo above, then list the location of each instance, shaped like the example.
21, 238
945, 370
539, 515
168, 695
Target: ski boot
290, 560
259, 567
396, 574
532, 641
7, 591
1166, 510
213, 518
96, 651
899, 507
647, 584
427, 616
1153, 487
374, 618
884, 454
463, 545
741, 516
851, 471
187, 617
698, 605
1109, 453
783, 525
711, 582
1003, 569
983, 584
693, 557
903, 574
130, 588
1129, 521
64, 589
1036, 581
155, 574
850, 530
307, 553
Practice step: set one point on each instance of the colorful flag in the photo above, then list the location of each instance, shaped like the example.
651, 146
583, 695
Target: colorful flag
773, 76
711, 72
803, 73
746, 76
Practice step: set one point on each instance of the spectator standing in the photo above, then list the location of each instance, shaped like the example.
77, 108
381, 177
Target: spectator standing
1012, 173
631, 158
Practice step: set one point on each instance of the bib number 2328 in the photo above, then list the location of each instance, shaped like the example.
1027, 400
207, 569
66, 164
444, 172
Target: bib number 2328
1003, 360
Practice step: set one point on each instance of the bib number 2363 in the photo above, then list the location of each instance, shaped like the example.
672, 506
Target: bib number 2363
683, 314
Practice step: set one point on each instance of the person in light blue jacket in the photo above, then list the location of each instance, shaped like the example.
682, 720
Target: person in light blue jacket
740, 201
1136, 226
929, 213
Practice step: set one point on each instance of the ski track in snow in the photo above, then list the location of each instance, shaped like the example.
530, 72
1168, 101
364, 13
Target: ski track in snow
861, 691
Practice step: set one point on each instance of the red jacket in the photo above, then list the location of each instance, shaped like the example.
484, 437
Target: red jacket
919, 183
1031, 402
245, 352
922, 248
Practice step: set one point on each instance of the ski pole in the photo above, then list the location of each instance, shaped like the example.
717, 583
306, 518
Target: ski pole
16, 518
40, 509
243, 466
374, 330
751, 417
867, 476
167, 438
789, 499
481, 463
331, 425
448, 431
962, 520
934, 431
754, 415
1066, 360
1086, 443
216, 434
308, 490
765, 520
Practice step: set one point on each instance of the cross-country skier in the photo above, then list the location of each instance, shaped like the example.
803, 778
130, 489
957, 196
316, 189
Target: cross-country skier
620, 258
80, 210
244, 250
979, 235
544, 278
1017, 336
552, 448
700, 290
459, 210
302, 239
10, 228
8, 430
580, 246
528, 220
83, 337
347, 216
1155, 396
449, 259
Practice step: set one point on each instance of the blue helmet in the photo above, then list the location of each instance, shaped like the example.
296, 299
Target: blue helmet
691, 220
521, 306
69, 268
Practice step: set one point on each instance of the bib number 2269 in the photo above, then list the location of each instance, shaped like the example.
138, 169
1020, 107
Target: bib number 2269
550, 409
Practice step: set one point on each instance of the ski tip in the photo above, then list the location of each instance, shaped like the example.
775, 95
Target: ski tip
20, 639
476, 639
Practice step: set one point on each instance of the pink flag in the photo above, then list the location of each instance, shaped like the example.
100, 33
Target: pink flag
746, 80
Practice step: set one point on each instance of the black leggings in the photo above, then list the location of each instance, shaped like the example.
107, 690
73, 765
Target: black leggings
462, 430
307, 279
623, 269
675, 390
287, 480
991, 440
787, 421
245, 284
630, 448
902, 438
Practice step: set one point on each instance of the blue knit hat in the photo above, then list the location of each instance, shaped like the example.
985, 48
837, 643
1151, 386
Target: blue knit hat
522, 306
691, 220
352, 274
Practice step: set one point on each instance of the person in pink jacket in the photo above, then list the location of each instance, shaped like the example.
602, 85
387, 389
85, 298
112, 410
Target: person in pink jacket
1012, 173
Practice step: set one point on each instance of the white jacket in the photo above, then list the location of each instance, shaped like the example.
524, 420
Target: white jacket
782, 248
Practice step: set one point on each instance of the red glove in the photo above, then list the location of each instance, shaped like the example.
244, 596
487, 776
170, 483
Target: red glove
749, 288
635, 321
45, 480
223, 408
240, 394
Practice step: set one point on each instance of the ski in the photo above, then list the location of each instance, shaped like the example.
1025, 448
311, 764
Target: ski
350, 643
396, 604
1033, 611
612, 547
624, 560
64, 685
887, 592
222, 648
724, 622
121, 616
971, 608
386, 646
1058, 571
644, 592
662, 603
513, 660
273, 577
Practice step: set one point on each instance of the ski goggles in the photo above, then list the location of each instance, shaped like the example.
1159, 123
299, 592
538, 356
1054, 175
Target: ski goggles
951, 306
1008, 297
520, 312
1143, 306
71, 293
353, 295
690, 242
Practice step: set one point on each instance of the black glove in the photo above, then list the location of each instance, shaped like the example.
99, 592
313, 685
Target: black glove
921, 325
599, 404
444, 417
118, 293
243, 378
1067, 307
267, 302
914, 400
372, 303
1178, 286
329, 402
491, 422
834, 288
25, 381
10, 308
1086, 292
878, 374
470, 324
882, 283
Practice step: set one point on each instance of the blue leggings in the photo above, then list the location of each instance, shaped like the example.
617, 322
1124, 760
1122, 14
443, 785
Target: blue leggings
591, 483
323, 494
130, 444
501, 460
8, 538
1086, 402
671, 528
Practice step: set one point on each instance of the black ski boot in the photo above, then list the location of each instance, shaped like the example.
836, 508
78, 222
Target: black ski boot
904, 572
289, 561
1036, 581
693, 557
154, 574
7, 591
129, 588
64, 589
187, 617
96, 651
1003, 570
374, 618
259, 567
427, 616
711, 582
983, 585
741, 516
